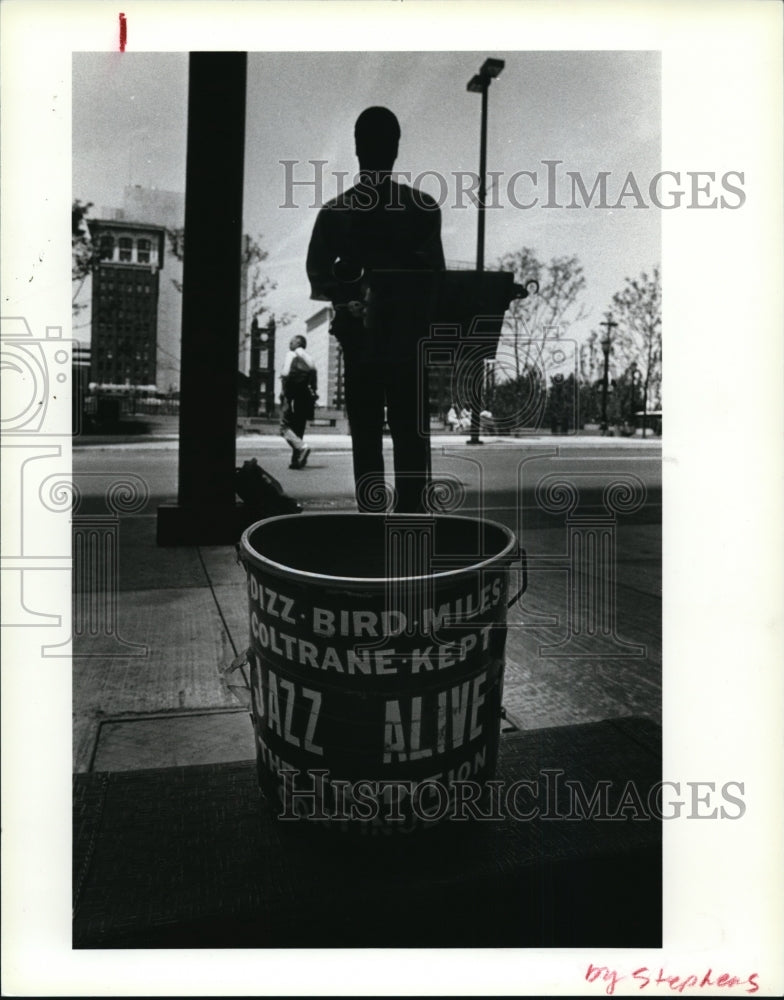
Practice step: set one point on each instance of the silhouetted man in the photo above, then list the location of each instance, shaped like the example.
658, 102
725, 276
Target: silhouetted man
379, 225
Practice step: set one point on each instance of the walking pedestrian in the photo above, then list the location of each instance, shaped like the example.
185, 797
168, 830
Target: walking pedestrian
298, 396
379, 225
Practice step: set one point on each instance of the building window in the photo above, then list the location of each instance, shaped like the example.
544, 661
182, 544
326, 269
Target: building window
143, 251
107, 247
126, 249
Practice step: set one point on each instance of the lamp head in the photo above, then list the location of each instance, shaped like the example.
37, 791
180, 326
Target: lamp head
491, 68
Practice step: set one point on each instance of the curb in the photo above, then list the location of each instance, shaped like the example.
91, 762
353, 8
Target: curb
341, 442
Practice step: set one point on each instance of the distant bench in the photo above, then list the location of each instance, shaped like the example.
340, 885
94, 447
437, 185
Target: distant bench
257, 425
327, 417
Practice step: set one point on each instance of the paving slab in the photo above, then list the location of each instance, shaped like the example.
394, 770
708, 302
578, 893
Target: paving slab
555, 693
543, 615
221, 564
140, 564
186, 642
549, 682
174, 740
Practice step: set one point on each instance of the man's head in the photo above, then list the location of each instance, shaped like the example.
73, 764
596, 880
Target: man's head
297, 341
376, 138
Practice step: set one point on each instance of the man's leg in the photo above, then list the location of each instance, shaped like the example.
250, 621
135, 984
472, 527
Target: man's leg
365, 409
298, 424
300, 456
409, 422
289, 433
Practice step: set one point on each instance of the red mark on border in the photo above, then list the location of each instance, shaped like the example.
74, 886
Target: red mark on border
123, 32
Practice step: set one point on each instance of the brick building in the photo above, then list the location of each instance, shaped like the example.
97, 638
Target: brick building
125, 292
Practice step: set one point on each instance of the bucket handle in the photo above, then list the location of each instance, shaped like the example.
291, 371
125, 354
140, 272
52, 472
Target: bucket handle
524, 583
236, 677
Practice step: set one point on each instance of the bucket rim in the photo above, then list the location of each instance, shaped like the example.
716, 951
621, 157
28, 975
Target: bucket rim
247, 551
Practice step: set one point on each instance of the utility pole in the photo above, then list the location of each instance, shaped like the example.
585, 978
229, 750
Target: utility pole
480, 84
606, 342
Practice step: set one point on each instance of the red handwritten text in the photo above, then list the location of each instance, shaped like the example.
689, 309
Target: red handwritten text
644, 977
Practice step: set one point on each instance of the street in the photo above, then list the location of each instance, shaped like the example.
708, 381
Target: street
583, 644
499, 471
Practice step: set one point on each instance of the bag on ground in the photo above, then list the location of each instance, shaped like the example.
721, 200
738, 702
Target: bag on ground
262, 492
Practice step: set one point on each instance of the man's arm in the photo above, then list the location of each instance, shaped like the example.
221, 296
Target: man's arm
303, 354
327, 244
320, 260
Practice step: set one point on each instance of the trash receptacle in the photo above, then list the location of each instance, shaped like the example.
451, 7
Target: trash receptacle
377, 647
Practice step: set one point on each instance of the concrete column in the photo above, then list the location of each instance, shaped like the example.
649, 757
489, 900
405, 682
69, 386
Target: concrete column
206, 511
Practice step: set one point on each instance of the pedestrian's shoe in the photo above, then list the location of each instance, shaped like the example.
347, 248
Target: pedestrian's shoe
302, 457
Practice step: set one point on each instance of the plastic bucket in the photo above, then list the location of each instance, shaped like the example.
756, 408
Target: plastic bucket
376, 662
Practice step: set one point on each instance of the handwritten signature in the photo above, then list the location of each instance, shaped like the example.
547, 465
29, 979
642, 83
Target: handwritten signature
644, 977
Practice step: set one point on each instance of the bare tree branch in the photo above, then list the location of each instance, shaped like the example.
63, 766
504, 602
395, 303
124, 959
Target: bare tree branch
530, 323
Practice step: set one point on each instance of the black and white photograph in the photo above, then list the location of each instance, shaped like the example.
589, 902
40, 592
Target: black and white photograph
390, 514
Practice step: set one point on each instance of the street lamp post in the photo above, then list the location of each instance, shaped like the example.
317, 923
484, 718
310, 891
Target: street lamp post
636, 379
479, 84
606, 342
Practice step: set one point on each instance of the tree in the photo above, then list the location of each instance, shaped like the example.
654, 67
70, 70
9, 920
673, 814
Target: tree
531, 322
637, 345
560, 412
591, 361
84, 254
518, 402
591, 358
634, 364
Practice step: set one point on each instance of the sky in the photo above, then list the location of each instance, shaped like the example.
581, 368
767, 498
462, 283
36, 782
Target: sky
593, 111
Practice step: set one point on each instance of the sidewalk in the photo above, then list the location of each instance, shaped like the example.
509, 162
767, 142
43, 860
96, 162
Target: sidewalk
147, 691
342, 442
